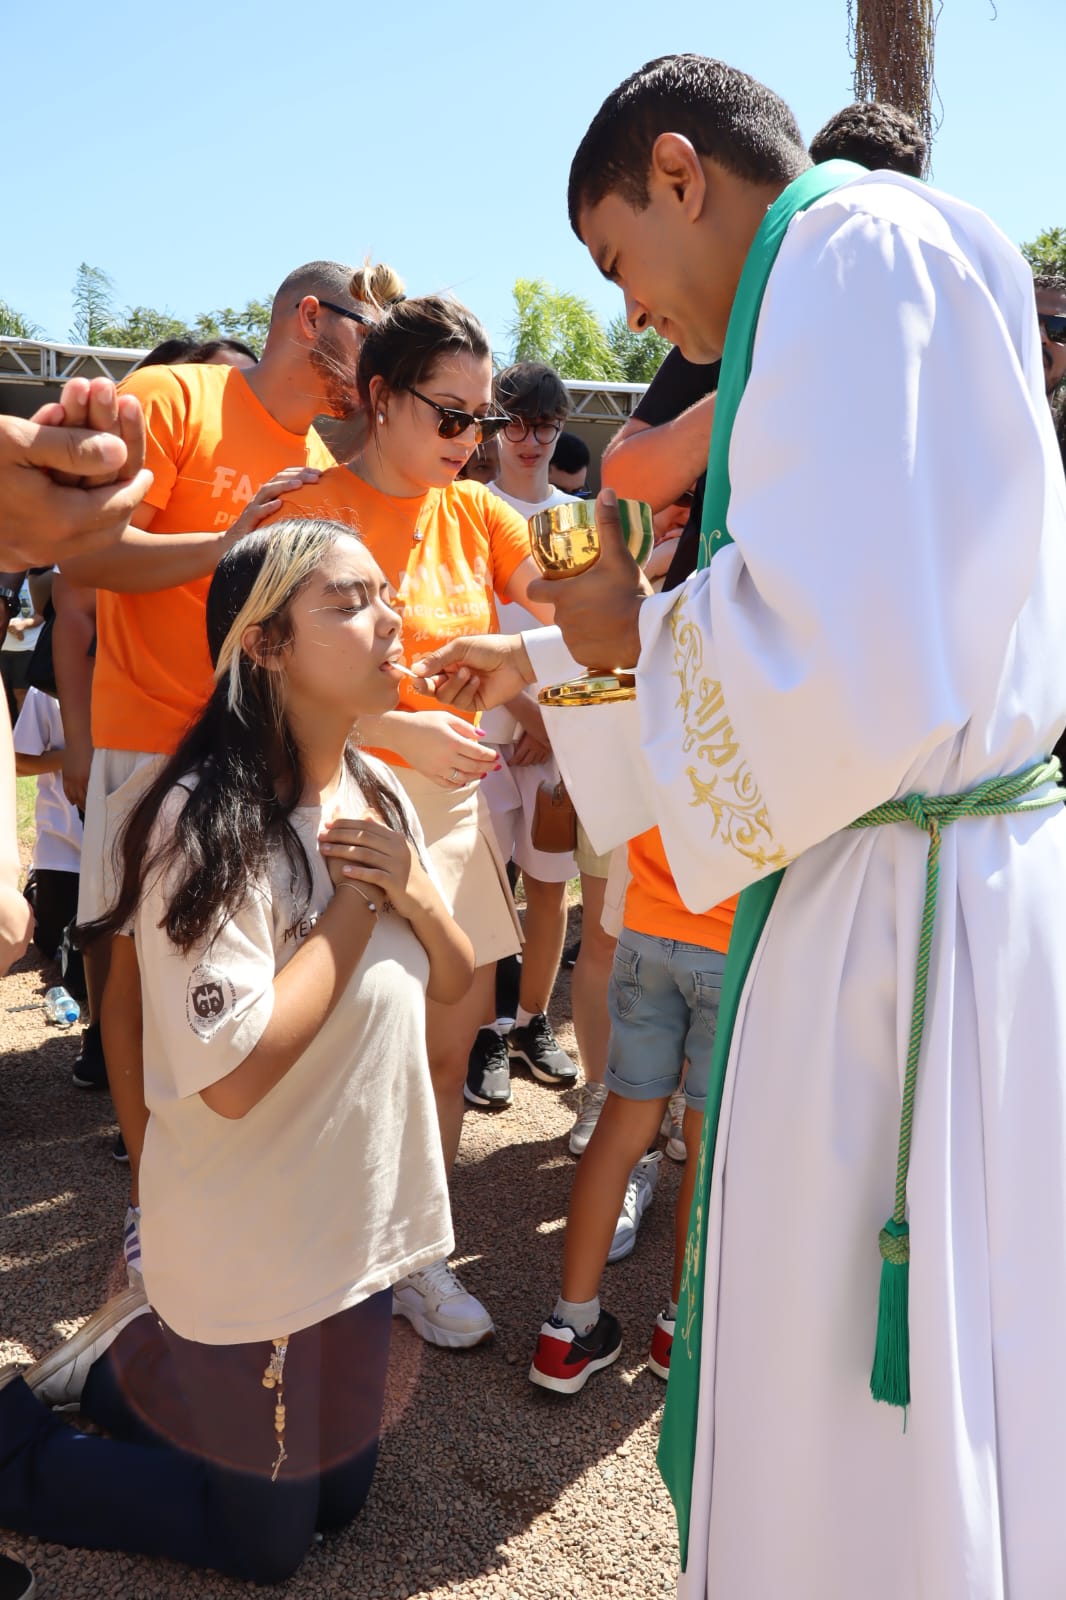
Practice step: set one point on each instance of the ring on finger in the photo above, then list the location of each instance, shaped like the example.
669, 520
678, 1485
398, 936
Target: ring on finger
455, 775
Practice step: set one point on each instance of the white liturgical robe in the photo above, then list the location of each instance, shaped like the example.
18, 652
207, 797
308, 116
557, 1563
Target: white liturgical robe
889, 620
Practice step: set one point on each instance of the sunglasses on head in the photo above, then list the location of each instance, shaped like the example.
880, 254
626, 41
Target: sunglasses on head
452, 422
342, 311
1054, 327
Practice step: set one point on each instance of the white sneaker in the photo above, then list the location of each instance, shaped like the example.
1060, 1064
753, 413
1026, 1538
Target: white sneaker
59, 1377
131, 1247
639, 1190
593, 1096
439, 1308
672, 1127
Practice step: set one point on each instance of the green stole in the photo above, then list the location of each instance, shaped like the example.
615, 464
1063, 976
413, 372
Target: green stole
677, 1447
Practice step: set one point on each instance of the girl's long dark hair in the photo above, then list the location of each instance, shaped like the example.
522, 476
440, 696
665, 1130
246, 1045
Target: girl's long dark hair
240, 755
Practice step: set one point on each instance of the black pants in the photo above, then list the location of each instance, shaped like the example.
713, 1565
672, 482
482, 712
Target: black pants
14, 672
187, 1471
55, 903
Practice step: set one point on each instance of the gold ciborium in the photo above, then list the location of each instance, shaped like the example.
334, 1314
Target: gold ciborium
565, 541
593, 750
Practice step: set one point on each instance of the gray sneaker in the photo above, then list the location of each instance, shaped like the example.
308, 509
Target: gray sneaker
488, 1072
537, 1046
639, 1190
673, 1127
593, 1096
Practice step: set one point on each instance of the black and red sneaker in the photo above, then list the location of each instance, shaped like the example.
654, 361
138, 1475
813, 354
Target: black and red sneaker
565, 1360
662, 1342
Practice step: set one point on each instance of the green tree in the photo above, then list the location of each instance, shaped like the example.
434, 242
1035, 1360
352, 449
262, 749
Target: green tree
639, 355
94, 309
1047, 252
250, 325
255, 321
561, 330
14, 325
142, 327
98, 321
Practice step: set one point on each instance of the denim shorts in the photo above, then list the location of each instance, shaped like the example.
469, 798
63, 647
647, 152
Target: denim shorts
663, 1000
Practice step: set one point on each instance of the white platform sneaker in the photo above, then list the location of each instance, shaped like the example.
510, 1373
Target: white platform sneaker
439, 1308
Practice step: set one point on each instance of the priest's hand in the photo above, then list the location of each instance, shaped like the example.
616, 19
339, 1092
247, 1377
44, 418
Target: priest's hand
478, 672
598, 610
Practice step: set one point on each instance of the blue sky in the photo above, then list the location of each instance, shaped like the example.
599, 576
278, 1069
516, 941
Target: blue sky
199, 152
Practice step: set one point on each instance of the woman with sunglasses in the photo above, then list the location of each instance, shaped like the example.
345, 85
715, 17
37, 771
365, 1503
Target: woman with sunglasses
450, 550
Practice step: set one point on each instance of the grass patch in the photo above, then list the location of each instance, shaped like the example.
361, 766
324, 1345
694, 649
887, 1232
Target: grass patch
26, 801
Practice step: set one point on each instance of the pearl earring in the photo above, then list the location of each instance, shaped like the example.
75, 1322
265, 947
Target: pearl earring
381, 416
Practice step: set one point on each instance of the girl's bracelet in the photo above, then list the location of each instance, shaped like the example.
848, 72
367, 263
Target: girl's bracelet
349, 883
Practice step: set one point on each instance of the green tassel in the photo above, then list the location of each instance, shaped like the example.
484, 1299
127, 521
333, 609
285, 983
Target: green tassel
890, 1379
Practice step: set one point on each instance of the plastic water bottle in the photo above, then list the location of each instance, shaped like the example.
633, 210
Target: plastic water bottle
61, 1008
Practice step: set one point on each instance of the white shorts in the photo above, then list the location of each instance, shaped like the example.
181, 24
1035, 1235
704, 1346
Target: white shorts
589, 861
619, 877
512, 796
471, 872
117, 779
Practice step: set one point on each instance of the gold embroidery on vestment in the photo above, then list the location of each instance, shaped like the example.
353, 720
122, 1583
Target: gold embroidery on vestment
729, 788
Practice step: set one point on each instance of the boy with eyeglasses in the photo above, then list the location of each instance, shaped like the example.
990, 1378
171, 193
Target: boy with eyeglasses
533, 397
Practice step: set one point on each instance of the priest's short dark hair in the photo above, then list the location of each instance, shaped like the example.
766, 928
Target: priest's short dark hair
723, 113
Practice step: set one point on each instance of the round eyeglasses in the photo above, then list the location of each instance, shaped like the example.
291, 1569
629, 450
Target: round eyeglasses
544, 431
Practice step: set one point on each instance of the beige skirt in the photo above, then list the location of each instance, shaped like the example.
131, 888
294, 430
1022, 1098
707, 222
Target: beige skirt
462, 846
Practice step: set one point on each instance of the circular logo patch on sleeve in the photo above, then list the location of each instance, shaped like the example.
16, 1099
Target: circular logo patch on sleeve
209, 1000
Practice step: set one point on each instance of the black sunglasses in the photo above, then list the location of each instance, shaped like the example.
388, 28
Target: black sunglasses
1054, 327
452, 422
342, 311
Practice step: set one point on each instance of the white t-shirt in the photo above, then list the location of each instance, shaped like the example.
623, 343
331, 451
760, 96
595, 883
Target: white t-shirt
57, 841
499, 725
15, 643
333, 1186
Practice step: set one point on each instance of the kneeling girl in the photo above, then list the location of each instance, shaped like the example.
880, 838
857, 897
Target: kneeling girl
288, 932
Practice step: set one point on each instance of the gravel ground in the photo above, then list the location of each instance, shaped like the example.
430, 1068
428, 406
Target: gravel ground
486, 1486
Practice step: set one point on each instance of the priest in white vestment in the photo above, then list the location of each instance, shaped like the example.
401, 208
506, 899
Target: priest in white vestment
886, 622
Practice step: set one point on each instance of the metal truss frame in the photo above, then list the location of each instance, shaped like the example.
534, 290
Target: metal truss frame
41, 361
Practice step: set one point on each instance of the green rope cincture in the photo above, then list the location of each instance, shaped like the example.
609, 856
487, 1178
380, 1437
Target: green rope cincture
890, 1379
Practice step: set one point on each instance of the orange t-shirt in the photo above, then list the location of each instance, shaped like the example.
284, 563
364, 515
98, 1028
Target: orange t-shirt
445, 554
211, 446
653, 905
